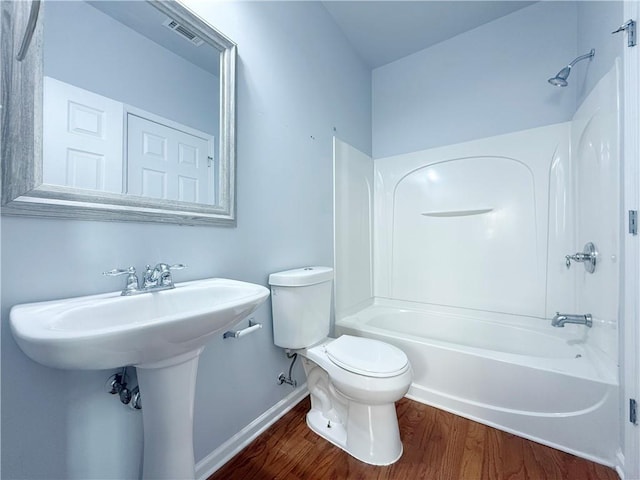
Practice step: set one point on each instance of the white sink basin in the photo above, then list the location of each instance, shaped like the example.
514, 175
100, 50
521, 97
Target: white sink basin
162, 333
110, 331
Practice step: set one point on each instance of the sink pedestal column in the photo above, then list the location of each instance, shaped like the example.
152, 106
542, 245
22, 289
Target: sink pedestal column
167, 390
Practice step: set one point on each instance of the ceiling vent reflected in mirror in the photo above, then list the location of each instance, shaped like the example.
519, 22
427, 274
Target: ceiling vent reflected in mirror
178, 29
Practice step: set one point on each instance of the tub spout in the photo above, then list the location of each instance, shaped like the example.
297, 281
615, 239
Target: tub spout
560, 319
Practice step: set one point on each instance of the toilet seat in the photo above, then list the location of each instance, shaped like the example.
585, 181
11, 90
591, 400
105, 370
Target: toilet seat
367, 357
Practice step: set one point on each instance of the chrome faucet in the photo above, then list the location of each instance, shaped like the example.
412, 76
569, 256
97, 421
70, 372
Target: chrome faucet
560, 319
158, 278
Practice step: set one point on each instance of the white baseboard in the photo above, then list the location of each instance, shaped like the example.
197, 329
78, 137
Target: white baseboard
221, 455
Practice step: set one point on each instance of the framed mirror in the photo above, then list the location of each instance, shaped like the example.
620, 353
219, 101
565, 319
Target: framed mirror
120, 110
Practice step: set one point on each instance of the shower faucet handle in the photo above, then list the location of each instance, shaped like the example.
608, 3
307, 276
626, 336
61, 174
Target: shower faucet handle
576, 257
588, 256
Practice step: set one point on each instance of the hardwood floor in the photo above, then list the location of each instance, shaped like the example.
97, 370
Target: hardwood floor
437, 446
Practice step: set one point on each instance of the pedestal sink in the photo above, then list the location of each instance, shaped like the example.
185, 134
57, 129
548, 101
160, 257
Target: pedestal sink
161, 333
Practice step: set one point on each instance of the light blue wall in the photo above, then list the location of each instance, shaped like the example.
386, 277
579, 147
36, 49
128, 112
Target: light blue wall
488, 81
596, 21
297, 80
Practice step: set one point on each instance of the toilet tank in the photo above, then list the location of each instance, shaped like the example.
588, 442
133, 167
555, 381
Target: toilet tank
301, 306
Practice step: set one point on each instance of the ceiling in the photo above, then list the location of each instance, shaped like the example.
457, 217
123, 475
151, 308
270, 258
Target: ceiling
380, 31
384, 31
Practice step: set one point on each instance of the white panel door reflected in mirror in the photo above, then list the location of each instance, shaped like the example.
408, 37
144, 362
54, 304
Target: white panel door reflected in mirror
169, 161
121, 56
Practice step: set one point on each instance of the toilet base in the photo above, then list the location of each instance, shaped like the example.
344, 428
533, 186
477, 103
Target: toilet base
331, 431
371, 434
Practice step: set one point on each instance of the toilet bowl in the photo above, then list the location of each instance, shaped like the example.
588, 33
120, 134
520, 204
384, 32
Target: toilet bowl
352, 409
362, 369
353, 382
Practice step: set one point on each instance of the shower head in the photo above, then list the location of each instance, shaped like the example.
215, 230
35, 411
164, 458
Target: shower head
560, 80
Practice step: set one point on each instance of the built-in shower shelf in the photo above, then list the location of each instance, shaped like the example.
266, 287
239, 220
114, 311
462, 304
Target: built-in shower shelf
457, 213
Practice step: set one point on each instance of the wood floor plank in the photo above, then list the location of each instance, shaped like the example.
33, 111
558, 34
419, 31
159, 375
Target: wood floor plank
492, 461
542, 462
437, 446
473, 454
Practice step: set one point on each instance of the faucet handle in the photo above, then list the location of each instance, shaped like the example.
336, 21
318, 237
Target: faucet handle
132, 285
177, 266
588, 256
120, 271
165, 278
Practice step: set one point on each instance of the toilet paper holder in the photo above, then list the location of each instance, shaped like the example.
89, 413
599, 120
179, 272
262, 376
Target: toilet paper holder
253, 326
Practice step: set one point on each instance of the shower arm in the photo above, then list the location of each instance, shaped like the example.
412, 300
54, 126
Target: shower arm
583, 57
560, 80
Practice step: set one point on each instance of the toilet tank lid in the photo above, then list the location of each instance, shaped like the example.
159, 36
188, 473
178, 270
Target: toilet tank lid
300, 277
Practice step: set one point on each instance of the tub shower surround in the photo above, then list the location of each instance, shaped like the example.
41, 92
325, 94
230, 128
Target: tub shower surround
464, 247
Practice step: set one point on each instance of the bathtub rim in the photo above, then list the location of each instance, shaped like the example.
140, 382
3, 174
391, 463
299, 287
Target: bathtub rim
604, 369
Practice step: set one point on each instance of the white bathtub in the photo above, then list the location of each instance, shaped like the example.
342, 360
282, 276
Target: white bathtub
518, 374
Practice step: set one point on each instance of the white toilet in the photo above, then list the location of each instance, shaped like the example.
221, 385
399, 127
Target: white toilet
354, 382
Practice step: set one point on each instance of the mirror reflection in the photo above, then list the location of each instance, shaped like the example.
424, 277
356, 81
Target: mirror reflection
131, 102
